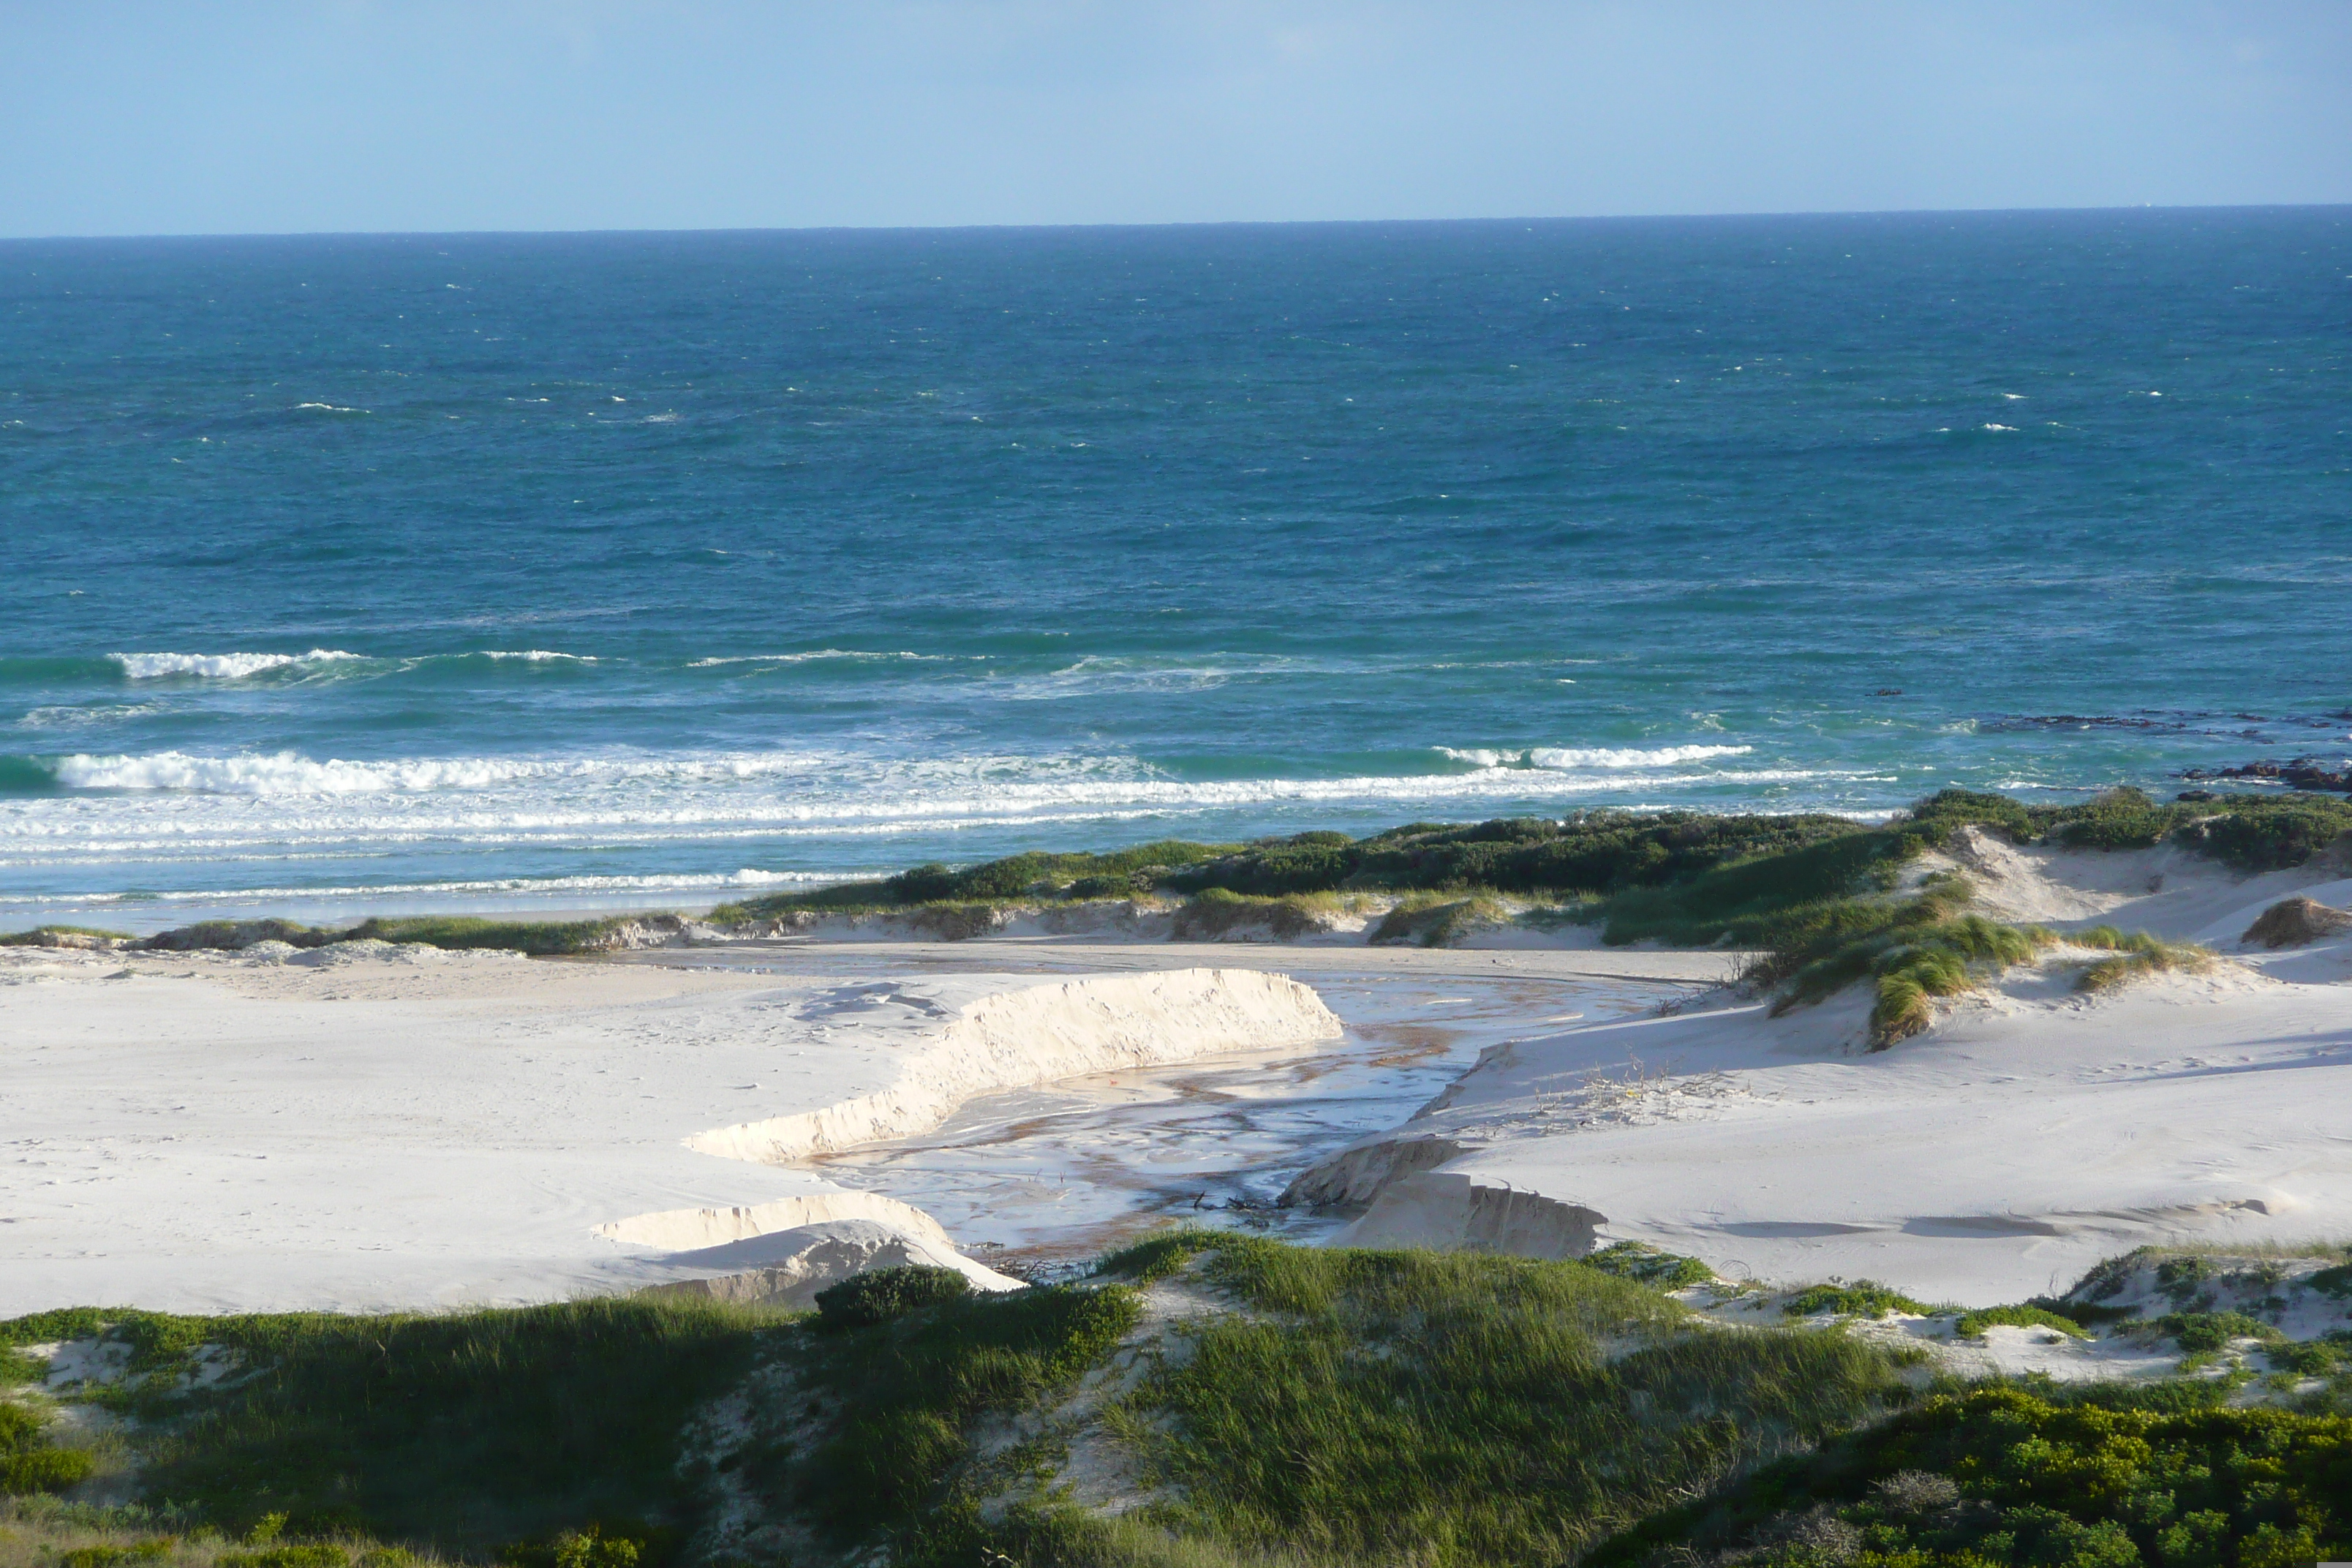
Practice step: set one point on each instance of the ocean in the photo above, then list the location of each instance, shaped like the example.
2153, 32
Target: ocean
341, 575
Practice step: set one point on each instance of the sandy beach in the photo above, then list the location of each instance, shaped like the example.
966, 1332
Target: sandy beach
368, 1126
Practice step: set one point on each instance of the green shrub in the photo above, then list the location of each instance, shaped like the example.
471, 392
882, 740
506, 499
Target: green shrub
879, 1295
596, 1546
1650, 1265
43, 1469
139, 1554
317, 1555
2203, 1333
34, 938
2024, 1315
1856, 1297
29, 1462
2036, 1482
539, 938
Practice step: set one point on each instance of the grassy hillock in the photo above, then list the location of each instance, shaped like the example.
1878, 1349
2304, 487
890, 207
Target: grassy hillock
1347, 1406
1307, 1407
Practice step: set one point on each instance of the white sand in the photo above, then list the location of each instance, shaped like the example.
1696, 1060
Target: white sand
395, 1127
403, 1129
2031, 1133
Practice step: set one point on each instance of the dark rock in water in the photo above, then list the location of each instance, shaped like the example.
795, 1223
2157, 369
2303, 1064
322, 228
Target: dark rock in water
2302, 773
2196, 794
2291, 922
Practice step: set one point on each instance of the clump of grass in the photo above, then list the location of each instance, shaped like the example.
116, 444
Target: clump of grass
1853, 1298
1911, 951
1650, 1265
1460, 1409
1432, 920
2023, 1315
1215, 912
2135, 956
1157, 1257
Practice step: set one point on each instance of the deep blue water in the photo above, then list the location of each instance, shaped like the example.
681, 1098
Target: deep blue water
859, 549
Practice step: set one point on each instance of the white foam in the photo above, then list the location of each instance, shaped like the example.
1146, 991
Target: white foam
218, 665
822, 653
1563, 758
682, 883
536, 656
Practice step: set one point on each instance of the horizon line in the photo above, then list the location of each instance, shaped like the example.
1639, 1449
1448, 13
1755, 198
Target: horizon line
1167, 224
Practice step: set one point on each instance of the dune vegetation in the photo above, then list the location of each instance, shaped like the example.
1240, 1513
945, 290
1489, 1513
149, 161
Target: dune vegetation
1803, 888
1308, 1408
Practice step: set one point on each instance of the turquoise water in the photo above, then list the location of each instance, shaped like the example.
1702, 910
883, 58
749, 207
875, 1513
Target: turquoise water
523, 572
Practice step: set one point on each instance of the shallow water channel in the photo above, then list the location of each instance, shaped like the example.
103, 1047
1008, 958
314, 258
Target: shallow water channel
1051, 1174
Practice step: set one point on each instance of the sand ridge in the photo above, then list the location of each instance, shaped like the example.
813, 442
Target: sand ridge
211, 1132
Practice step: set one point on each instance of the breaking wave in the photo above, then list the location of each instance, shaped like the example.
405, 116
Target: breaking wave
1563, 758
219, 666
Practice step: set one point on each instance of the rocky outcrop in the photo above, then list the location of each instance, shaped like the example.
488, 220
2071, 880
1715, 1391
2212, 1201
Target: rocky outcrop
2302, 773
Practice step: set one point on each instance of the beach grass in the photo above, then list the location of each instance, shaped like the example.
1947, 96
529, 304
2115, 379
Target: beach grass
2135, 955
466, 1430
1456, 1408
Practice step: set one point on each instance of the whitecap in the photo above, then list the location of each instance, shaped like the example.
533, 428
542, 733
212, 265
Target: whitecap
809, 656
219, 666
1565, 757
535, 655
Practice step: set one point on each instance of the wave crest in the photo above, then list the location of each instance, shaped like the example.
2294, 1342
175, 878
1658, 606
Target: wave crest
219, 666
1563, 758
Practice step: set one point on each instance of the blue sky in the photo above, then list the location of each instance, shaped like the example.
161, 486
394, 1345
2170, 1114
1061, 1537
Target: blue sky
338, 115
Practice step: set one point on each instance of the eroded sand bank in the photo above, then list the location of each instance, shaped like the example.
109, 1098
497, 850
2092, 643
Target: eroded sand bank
215, 1132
